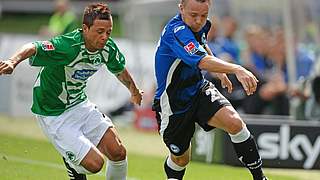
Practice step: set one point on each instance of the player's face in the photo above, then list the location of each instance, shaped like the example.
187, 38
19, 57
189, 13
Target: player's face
195, 14
97, 35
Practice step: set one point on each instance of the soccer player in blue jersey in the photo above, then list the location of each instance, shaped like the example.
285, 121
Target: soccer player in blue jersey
183, 97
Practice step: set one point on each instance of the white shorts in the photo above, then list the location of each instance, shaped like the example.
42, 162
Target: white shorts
76, 130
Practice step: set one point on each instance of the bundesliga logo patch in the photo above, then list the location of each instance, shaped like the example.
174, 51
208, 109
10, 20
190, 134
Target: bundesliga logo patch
191, 48
47, 46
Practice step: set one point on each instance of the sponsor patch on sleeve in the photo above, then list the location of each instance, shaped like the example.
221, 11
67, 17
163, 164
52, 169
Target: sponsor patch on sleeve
47, 46
191, 48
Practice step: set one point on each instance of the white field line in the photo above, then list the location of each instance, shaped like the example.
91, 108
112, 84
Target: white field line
45, 163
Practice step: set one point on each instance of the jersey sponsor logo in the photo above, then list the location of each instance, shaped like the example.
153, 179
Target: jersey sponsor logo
178, 28
47, 46
174, 148
83, 74
191, 48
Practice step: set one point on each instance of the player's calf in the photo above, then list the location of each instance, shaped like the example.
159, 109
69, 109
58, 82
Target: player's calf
247, 152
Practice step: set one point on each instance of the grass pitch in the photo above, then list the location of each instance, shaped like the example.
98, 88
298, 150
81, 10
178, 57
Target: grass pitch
26, 154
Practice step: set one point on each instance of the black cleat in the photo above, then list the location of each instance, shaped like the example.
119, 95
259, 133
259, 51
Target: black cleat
73, 173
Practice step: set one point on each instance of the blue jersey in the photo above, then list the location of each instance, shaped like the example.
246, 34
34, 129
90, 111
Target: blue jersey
179, 78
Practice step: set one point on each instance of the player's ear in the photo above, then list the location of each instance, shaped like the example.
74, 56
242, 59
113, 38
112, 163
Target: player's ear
85, 28
180, 7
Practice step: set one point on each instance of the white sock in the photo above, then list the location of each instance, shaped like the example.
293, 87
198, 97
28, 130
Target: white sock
117, 170
241, 136
173, 165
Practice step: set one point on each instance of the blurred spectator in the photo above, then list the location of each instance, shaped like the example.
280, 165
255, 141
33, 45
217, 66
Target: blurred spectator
312, 109
304, 59
62, 21
274, 90
307, 105
213, 35
255, 56
230, 48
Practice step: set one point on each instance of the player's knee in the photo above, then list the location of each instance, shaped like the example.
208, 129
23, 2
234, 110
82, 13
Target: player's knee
94, 166
235, 124
117, 154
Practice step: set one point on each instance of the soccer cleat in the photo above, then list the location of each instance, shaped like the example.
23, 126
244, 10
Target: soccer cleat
73, 173
264, 178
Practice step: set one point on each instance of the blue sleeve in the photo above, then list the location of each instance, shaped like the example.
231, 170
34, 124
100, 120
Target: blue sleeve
186, 47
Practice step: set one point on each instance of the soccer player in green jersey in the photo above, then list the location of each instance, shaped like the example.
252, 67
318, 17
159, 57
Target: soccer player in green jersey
80, 133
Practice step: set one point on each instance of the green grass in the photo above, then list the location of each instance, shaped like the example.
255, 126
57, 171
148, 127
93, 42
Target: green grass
26, 154
25, 158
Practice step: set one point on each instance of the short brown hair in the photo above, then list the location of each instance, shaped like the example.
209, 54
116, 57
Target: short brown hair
96, 11
183, 2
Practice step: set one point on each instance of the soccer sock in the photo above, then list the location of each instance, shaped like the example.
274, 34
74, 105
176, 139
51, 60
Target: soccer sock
72, 173
247, 152
173, 170
117, 170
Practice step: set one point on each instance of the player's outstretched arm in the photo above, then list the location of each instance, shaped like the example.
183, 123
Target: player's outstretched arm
126, 79
245, 77
7, 66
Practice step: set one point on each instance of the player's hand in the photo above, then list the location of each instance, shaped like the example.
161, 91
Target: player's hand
225, 81
247, 79
6, 67
136, 97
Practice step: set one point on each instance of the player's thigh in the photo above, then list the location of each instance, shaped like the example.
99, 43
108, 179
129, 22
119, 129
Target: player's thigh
111, 145
100, 130
227, 119
66, 135
210, 104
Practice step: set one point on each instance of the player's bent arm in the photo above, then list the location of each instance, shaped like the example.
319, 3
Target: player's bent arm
7, 67
214, 64
246, 78
225, 81
219, 75
126, 79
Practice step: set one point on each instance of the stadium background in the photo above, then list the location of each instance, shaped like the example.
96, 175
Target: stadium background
137, 27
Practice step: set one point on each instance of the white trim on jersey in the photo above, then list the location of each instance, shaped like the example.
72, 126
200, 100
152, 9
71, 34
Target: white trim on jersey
164, 99
105, 54
78, 58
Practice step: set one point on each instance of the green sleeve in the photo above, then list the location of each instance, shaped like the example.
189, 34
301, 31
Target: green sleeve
54, 52
116, 61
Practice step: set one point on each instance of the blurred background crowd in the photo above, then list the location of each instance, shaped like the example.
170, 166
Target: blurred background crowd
279, 41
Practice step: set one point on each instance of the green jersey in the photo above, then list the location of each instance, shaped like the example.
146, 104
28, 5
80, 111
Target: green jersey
66, 67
